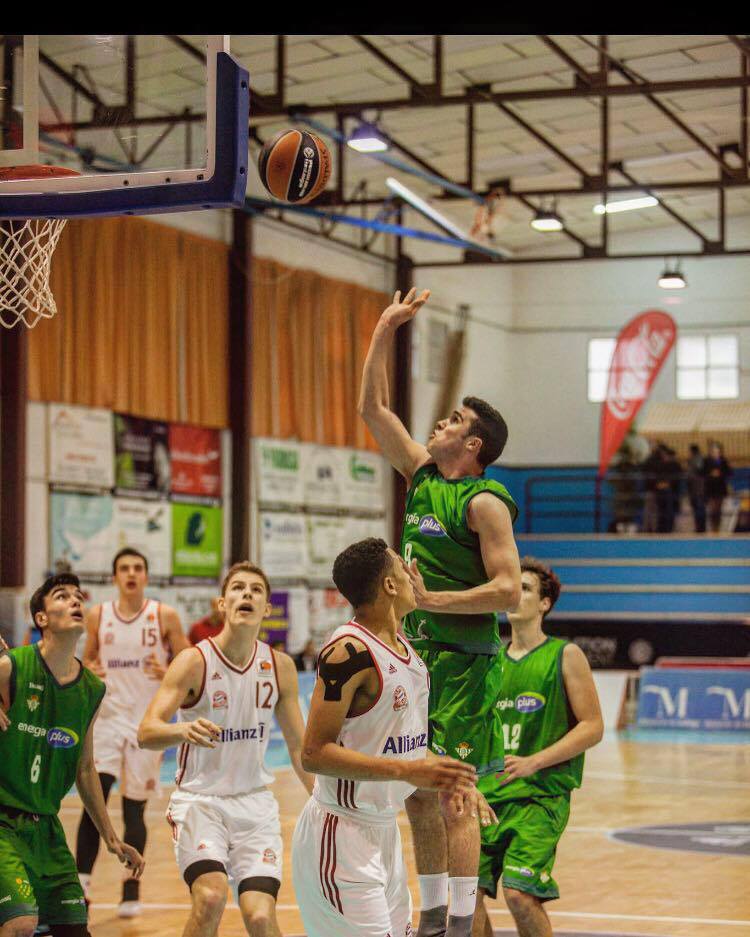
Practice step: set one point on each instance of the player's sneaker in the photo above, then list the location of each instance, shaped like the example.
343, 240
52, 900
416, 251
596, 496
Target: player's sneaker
129, 909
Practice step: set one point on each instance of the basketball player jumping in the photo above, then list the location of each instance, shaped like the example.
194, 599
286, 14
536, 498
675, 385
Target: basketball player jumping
551, 716
127, 644
224, 820
458, 541
49, 702
366, 740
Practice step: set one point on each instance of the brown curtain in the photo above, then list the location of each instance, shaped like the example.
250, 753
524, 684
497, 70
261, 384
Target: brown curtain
310, 339
141, 323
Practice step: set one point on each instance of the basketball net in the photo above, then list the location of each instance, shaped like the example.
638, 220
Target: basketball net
26, 248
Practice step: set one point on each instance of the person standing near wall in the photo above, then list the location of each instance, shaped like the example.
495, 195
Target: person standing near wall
696, 487
717, 471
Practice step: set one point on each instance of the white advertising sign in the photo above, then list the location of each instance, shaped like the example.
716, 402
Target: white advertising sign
363, 480
147, 526
283, 545
279, 472
327, 537
324, 469
81, 445
328, 610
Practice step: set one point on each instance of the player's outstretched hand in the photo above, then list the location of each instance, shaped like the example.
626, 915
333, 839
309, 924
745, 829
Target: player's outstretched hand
201, 732
402, 310
440, 774
129, 856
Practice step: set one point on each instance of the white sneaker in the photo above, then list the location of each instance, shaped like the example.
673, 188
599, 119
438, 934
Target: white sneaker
129, 909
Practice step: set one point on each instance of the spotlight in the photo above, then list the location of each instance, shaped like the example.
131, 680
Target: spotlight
672, 278
366, 139
546, 221
626, 204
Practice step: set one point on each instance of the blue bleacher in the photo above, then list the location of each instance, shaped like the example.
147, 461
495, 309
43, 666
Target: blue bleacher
691, 577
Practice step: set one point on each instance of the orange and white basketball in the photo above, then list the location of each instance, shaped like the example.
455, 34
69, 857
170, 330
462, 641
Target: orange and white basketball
294, 166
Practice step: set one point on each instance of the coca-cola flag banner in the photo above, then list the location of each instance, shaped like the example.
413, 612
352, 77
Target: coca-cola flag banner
641, 350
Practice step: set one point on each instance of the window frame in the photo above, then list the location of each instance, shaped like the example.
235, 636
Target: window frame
707, 368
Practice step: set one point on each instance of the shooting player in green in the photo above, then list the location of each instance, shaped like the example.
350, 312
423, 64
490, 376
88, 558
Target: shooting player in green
458, 541
551, 715
49, 703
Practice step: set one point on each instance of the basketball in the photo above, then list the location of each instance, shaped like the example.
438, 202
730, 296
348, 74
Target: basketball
294, 166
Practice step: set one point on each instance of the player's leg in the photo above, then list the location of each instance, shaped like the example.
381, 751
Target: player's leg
207, 881
339, 876
431, 857
396, 889
140, 779
535, 827
481, 926
495, 840
258, 906
62, 906
201, 844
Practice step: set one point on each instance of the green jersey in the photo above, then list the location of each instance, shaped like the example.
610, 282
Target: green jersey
534, 708
436, 534
40, 751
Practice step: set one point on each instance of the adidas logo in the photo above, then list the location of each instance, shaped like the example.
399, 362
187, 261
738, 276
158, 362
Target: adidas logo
391, 669
216, 676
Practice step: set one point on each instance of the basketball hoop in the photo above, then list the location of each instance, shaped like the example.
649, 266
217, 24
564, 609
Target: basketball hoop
26, 248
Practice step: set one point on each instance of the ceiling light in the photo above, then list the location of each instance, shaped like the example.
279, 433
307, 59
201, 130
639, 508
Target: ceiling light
421, 206
546, 221
672, 278
366, 139
627, 204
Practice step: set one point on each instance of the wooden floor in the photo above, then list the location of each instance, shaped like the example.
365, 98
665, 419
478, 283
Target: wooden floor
607, 887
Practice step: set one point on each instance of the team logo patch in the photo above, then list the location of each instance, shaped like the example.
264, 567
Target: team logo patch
24, 888
430, 526
33, 702
216, 676
529, 702
60, 737
400, 699
269, 856
265, 666
464, 750
151, 617
219, 700
391, 669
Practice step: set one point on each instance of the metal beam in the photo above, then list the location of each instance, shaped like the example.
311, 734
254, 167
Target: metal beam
697, 255
76, 85
187, 47
670, 211
604, 139
568, 59
415, 86
742, 44
280, 69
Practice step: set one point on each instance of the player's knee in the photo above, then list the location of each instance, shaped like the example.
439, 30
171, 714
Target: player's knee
422, 804
520, 903
208, 899
19, 927
260, 919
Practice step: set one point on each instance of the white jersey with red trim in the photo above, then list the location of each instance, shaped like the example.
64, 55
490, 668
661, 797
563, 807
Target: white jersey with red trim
124, 644
395, 726
242, 701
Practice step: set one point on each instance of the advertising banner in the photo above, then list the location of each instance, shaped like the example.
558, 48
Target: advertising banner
279, 472
147, 526
82, 532
327, 537
197, 537
328, 610
641, 350
80, 446
289, 619
195, 454
283, 545
324, 470
363, 481
694, 699
141, 456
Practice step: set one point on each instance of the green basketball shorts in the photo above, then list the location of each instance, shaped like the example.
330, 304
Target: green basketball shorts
37, 872
464, 721
520, 848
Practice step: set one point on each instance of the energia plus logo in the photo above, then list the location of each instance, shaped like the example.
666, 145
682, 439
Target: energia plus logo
430, 526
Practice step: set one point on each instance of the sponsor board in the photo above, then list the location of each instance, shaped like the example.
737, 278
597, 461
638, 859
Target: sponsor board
694, 699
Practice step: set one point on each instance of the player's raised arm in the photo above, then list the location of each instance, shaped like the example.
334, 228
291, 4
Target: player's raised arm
346, 669
289, 716
91, 647
182, 686
404, 454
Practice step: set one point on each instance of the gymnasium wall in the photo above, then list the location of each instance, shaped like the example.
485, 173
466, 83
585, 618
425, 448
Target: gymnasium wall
528, 350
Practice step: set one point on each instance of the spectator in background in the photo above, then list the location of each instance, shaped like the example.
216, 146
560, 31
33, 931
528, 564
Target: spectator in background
307, 657
208, 626
717, 470
668, 489
651, 467
696, 487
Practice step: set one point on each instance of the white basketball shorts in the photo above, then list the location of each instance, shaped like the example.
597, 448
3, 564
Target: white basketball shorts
116, 752
349, 876
241, 831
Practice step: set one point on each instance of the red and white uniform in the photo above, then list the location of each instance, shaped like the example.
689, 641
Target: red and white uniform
347, 861
124, 644
221, 809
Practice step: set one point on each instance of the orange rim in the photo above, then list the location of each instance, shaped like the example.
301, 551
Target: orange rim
35, 171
